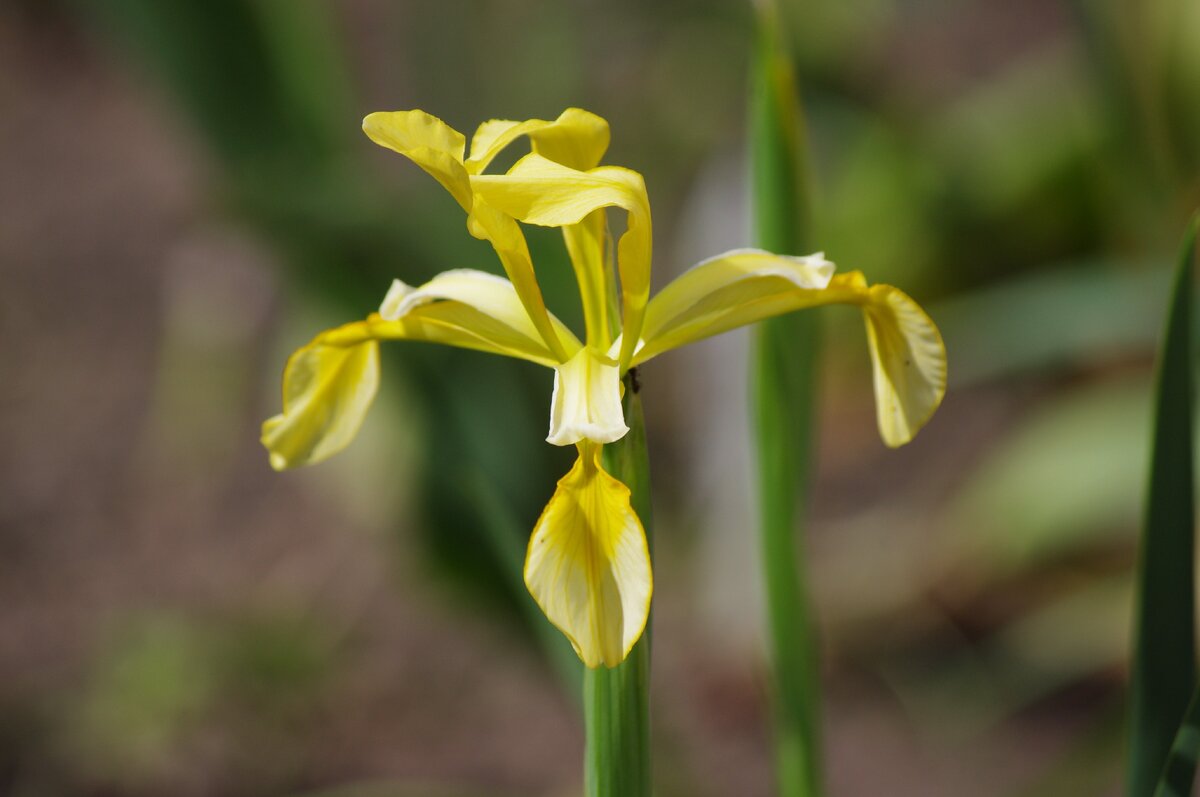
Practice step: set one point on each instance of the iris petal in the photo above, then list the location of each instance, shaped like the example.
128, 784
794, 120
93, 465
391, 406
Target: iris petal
746, 286
539, 191
728, 291
586, 404
577, 139
588, 566
909, 362
428, 142
328, 386
438, 149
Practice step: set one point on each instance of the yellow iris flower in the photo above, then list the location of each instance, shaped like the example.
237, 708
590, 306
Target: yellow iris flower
587, 566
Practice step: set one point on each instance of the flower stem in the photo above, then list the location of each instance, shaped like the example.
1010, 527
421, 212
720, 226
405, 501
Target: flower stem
616, 702
783, 383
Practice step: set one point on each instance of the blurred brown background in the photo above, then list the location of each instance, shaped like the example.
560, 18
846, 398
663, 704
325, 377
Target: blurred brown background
185, 197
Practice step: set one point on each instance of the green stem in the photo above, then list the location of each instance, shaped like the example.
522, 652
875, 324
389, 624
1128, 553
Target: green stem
616, 702
783, 383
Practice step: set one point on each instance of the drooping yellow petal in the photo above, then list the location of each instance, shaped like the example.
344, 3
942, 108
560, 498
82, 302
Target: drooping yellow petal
909, 362
588, 566
585, 243
586, 404
328, 386
577, 139
738, 288
539, 191
428, 142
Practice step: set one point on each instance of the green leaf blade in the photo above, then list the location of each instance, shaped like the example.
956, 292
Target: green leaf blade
783, 384
1180, 770
1164, 665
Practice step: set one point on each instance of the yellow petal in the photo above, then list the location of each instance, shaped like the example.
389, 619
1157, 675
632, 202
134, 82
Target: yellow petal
577, 139
438, 149
328, 384
506, 238
470, 309
586, 404
728, 291
907, 353
490, 138
328, 387
539, 191
909, 362
588, 566
428, 142
585, 248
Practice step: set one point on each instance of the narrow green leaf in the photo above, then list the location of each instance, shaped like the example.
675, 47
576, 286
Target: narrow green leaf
1164, 663
783, 385
616, 702
1180, 771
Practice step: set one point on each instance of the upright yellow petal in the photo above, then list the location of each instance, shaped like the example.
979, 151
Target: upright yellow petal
506, 238
585, 247
588, 566
490, 138
539, 191
328, 386
438, 149
586, 404
428, 142
577, 139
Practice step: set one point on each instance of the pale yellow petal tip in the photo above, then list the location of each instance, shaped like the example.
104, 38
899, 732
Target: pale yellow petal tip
392, 308
588, 565
412, 129
278, 460
586, 404
909, 359
377, 126
820, 265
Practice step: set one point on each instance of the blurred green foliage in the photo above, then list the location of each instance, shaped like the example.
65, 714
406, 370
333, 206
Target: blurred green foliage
163, 681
